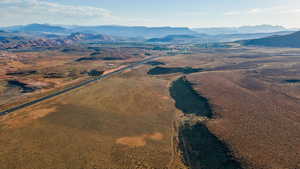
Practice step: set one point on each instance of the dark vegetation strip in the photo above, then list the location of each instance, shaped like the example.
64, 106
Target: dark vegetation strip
95, 54
95, 72
112, 58
292, 81
24, 87
22, 73
155, 63
201, 148
74, 87
205, 150
87, 59
169, 70
188, 100
53, 75
93, 58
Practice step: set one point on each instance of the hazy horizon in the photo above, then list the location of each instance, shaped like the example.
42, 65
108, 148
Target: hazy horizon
61, 25
174, 13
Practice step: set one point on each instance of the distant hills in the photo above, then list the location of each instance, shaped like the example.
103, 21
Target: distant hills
17, 40
89, 37
172, 38
40, 35
291, 40
144, 32
36, 28
204, 38
241, 30
135, 31
12, 40
121, 31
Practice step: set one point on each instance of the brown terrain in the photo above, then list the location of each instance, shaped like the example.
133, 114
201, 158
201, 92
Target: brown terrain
29, 74
132, 119
125, 122
255, 99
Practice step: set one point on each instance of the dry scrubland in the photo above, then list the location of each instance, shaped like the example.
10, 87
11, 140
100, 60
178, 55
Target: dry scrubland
25, 75
124, 121
255, 96
127, 121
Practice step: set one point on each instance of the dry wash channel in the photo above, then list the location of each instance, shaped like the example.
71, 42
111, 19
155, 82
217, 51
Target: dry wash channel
201, 149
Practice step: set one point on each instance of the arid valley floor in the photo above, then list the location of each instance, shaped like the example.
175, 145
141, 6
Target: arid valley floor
218, 108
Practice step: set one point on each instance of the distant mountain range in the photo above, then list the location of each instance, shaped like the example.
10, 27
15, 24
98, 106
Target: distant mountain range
242, 30
43, 35
135, 31
17, 40
36, 28
121, 31
172, 38
12, 40
204, 38
291, 40
142, 31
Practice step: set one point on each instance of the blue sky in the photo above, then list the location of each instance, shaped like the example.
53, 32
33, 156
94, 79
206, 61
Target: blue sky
185, 13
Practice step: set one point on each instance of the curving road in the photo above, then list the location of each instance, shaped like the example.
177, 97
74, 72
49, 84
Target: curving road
74, 87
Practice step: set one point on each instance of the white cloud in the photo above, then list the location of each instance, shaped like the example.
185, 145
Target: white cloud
249, 11
270, 10
43, 11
